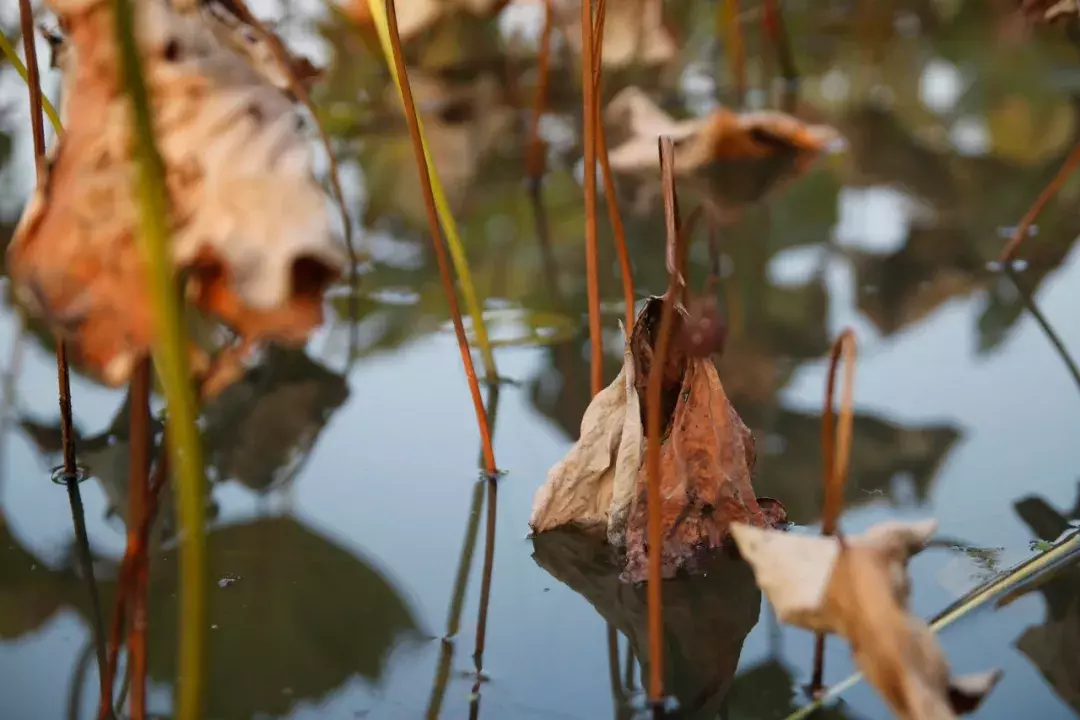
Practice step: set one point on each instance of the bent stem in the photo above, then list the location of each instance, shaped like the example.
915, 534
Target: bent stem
618, 231
427, 180
835, 457
592, 278
1021, 230
652, 437
391, 47
1044, 324
170, 357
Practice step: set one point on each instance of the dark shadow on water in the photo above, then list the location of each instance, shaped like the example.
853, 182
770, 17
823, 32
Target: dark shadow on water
706, 617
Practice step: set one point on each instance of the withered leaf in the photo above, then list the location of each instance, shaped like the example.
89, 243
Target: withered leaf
250, 223
858, 588
707, 458
722, 135
592, 487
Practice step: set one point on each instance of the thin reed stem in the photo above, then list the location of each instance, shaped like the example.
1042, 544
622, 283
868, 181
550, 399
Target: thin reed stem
652, 436
71, 474
13, 57
534, 150
485, 593
139, 446
618, 230
592, 261
777, 32
1020, 232
1044, 324
433, 191
732, 22
426, 173
171, 358
835, 459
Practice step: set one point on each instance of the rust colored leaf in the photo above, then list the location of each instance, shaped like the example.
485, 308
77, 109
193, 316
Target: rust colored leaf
707, 458
859, 589
706, 461
722, 135
250, 227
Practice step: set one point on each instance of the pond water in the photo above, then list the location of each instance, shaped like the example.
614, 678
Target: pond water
345, 490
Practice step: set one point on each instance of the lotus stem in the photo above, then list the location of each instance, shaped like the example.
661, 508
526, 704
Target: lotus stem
379, 13
170, 357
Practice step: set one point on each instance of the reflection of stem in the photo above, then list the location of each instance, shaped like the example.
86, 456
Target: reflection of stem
1021, 230
534, 151
589, 114
652, 435
618, 700
71, 473
442, 677
468, 550
139, 446
78, 677
836, 455
1029, 303
628, 662
457, 603
425, 171
485, 595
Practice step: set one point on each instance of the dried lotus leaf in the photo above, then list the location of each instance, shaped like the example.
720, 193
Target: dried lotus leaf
249, 221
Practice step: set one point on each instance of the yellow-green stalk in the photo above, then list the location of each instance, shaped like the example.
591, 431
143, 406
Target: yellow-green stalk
446, 218
17, 63
170, 356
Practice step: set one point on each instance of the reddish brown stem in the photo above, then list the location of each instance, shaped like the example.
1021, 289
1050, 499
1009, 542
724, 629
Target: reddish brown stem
63, 375
618, 231
774, 28
534, 151
835, 457
138, 513
437, 240
652, 436
735, 49
592, 261
1020, 232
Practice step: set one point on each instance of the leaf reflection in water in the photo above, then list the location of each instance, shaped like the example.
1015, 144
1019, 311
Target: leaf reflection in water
706, 617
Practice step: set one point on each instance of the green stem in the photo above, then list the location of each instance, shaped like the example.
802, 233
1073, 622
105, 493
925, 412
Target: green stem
13, 58
170, 356
446, 218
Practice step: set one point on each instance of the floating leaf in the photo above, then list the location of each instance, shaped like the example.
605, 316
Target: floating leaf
858, 588
250, 223
722, 135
